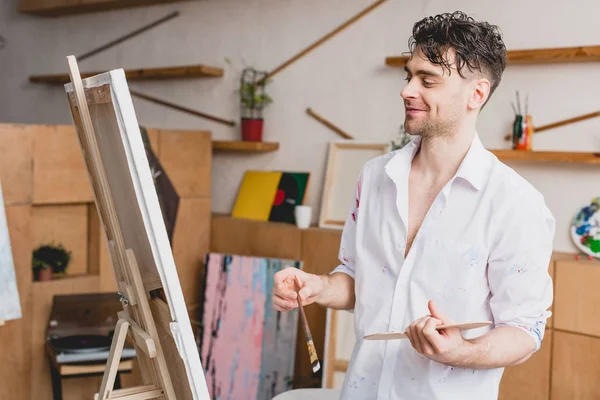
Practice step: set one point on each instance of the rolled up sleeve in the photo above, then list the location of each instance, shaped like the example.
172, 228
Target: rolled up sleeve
347, 251
518, 275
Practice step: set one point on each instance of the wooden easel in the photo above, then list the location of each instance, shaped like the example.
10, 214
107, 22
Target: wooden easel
136, 319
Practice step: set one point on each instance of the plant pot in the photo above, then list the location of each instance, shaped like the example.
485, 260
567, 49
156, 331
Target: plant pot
45, 274
252, 129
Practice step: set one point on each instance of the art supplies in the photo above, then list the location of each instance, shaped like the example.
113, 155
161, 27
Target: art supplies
522, 126
314, 359
402, 335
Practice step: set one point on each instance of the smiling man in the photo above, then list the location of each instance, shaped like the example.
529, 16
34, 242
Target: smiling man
440, 231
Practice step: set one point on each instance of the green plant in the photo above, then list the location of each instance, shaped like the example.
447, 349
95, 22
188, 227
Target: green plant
253, 97
251, 91
51, 256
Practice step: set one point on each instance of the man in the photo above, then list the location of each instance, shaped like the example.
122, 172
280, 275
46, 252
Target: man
440, 231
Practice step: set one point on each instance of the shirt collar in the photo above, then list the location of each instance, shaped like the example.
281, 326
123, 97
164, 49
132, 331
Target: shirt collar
473, 169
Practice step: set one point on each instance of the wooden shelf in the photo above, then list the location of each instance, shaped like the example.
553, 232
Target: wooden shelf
55, 8
244, 147
533, 56
547, 156
190, 71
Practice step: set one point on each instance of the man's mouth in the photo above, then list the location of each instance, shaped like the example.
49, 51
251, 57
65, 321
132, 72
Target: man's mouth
413, 110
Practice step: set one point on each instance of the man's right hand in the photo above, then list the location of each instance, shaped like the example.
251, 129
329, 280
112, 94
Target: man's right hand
286, 284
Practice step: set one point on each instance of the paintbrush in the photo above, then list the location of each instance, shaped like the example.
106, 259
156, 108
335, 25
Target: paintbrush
312, 352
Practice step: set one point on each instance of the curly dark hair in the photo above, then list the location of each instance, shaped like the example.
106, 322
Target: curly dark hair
479, 45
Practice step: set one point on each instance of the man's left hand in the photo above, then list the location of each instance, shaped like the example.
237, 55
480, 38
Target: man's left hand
444, 346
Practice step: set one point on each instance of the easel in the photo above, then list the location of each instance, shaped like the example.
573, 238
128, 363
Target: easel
136, 319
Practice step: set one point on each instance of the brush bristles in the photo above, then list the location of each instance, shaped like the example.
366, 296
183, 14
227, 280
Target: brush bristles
317, 366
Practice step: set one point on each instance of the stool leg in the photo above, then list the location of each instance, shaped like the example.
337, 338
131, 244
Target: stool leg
56, 382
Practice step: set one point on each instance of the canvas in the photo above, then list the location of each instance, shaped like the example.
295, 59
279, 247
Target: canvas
271, 195
246, 346
129, 208
344, 163
10, 305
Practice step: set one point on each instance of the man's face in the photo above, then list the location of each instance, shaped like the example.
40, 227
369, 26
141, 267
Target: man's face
435, 101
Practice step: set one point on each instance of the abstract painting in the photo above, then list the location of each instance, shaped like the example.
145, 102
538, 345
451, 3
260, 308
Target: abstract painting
247, 347
10, 305
271, 195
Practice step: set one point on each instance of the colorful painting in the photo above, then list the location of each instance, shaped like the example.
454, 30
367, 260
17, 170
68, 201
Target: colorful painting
271, 195
585, 228
10, 305
247, 347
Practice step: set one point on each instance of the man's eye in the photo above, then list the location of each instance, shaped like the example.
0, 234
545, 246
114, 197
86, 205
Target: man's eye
407, 79
428, 83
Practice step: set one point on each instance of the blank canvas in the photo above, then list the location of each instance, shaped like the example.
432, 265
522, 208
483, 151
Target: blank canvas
346, 159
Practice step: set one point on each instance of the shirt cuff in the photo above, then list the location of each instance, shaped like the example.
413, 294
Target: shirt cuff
536, 331
344, 269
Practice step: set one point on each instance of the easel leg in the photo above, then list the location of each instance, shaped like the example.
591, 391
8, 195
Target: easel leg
114, 358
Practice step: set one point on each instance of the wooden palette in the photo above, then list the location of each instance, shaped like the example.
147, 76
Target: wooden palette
402, 335
140, 251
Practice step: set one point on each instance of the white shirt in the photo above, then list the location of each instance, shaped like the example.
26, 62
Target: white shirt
482, 253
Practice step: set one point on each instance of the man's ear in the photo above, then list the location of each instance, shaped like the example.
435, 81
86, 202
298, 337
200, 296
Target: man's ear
479, 94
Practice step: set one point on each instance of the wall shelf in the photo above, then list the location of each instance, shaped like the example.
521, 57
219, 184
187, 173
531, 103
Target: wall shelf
189, 71
533, 56
243, 146
55, 8
547, 156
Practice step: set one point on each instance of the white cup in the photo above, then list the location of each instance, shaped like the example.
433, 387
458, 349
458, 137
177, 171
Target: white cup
303, 216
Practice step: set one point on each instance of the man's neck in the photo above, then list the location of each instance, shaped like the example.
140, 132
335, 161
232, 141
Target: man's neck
438, 158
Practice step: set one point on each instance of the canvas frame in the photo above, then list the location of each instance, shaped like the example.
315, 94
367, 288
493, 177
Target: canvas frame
337, 193
140, 252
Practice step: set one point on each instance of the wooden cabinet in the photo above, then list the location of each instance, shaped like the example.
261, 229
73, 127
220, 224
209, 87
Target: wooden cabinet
530, 380
54, 8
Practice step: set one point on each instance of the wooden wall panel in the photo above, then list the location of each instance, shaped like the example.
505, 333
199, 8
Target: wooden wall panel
530, 380
575, 367
577, 296
255, 238
191, 241
66, 225
16, 163
59, 173
15, 348
186, 157
320, 255
41, 297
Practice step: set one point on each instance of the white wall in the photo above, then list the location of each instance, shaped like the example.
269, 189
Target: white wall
345, 79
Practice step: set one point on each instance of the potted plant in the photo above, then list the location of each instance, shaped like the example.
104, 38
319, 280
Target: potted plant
50, 260
253, 101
